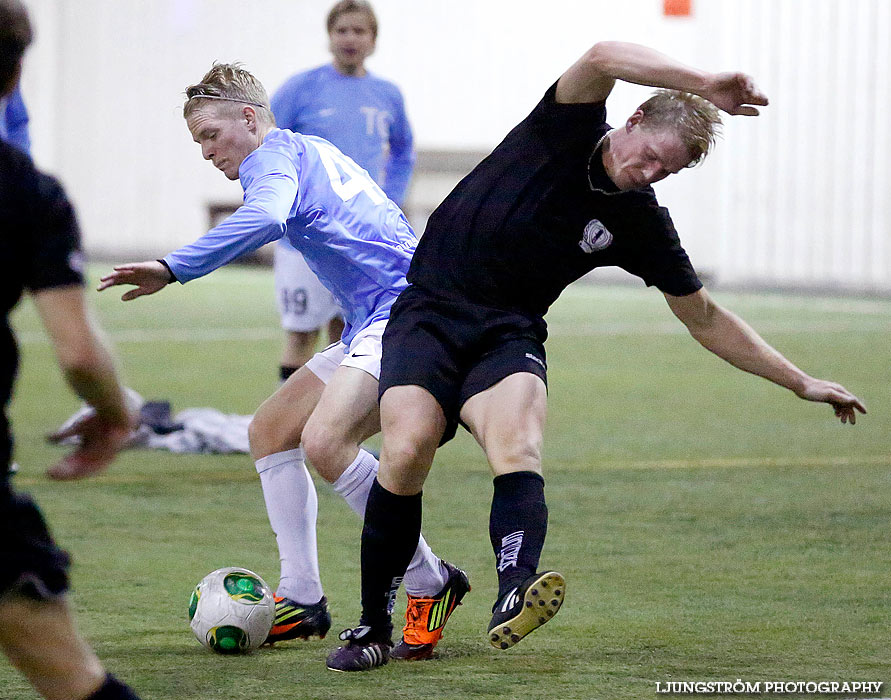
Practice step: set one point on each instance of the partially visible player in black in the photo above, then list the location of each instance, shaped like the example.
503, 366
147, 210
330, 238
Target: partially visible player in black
562, 194
39, 247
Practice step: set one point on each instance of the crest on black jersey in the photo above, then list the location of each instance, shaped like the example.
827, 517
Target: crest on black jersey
595, 237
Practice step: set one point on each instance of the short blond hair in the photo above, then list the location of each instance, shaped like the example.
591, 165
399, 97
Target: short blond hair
696, 120
232, 84
346, 6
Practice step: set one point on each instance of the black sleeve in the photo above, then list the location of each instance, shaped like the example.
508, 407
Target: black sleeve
660, 260
568, 122
53, 237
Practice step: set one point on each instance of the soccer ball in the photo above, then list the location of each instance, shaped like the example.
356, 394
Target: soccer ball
231, 610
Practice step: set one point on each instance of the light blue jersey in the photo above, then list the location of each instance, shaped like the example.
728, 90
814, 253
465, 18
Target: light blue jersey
363, 116
303, 189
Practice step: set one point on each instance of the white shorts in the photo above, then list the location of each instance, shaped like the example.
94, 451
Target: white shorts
364, 352
304, 303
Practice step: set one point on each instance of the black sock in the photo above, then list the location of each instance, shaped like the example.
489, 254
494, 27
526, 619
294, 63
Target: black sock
113, 689
284, 371
518, 523
389, 540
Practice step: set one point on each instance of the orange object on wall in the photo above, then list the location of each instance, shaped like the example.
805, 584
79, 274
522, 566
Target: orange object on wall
677, 8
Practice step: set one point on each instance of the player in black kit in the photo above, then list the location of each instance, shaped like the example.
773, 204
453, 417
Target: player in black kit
562, 194
39, 247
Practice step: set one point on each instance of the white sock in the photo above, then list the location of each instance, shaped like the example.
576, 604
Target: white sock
292, 506
426, 576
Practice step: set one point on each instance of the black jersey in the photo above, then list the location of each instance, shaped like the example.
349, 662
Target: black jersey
39, 249
539, 212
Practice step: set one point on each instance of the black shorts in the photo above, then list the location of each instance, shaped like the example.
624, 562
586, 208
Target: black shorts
457, 349
30, 561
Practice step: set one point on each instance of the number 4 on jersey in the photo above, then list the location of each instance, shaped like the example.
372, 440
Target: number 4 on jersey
347, 178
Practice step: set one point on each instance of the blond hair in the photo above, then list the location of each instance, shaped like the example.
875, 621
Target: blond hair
228, 83
695, 119
345, 6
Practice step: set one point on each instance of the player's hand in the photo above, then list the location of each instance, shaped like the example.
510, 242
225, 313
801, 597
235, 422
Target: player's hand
843, 401
100, 442
735, 93
148, 277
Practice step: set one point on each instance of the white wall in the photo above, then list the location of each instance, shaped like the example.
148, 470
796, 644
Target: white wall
804, 200
795, 196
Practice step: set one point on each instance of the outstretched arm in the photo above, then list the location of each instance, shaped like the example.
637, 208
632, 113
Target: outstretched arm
89, 370
148, 277
260, 220
733, 340
592, 77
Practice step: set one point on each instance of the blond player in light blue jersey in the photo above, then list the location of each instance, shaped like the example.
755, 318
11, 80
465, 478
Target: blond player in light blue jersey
359, 244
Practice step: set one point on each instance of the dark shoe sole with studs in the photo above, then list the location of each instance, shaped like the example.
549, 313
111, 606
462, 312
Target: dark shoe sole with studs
540, 601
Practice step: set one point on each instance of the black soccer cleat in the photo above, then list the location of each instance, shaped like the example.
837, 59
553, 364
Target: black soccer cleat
294, 620
365, 649
526, 608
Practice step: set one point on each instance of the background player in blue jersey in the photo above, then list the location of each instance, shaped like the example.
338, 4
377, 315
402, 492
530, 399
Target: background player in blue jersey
364, 116
359, 244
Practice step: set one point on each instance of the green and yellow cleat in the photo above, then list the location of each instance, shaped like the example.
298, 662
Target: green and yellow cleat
294, 620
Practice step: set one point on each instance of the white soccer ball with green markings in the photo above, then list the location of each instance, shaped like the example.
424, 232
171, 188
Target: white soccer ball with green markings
231, 610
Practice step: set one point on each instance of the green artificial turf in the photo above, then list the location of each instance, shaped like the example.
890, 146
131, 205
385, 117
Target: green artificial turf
710, 525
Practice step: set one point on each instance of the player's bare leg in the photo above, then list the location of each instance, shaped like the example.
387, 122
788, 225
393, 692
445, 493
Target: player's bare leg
346, 415
511, 438
41, 641
512, 442
291, 504
393, 525
278, 423
335, 329
413, 424
300, 346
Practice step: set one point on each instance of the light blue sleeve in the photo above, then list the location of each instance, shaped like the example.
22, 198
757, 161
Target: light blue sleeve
15, 125
402, 154
286, 103
270, 184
